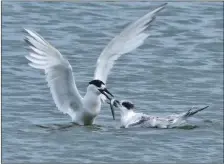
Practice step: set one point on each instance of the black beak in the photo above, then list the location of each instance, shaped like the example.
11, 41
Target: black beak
112, 111
115, 103
106, 92
112, 104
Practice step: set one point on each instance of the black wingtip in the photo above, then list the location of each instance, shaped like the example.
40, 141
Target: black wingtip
205, 107
200, 109
27, 41
164, 4
191, 113
159, 8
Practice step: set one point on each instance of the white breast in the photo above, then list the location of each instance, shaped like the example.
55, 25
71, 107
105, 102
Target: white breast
92, 105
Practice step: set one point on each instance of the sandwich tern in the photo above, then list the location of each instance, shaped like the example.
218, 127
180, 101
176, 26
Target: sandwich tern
59, 74
129, 118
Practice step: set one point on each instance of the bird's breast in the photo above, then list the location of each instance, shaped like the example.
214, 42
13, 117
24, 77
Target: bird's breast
92, 107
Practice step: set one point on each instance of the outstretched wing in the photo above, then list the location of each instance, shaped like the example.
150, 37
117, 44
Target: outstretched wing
58, 72
129, 39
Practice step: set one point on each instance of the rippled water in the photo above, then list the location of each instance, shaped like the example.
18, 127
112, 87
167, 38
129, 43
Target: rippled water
179, 66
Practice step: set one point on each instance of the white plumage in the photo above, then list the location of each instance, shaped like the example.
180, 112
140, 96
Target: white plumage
130, 118
129, 39
59, 74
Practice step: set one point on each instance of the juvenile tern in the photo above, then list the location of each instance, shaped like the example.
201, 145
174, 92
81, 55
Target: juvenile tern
59, 74
129, 118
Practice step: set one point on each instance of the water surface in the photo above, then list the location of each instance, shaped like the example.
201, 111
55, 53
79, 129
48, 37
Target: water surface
179, 66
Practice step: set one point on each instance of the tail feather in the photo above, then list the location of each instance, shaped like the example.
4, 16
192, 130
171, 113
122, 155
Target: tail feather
191, 112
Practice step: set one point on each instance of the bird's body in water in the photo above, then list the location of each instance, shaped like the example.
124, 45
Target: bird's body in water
59, 74
60, 79
129, 118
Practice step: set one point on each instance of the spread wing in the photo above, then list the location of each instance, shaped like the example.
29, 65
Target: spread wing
129, 39
58, 72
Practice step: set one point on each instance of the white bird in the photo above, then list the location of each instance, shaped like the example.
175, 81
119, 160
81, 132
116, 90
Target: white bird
59, 74
129, 118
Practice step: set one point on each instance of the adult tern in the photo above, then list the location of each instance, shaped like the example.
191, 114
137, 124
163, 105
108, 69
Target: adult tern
129, 118
59, 74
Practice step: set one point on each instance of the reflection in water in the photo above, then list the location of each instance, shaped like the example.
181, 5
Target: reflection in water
58, 126
188, 127
69, 126
96, 127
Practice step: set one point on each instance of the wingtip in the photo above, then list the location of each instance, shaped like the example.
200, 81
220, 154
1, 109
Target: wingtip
162, 5
28, 31
25, 30
207, 106
204, 108
159, 8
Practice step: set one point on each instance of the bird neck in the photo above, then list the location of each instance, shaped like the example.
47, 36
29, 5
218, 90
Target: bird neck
126, 116
92, 95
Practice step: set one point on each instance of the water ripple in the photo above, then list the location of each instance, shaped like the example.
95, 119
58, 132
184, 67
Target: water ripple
179, 66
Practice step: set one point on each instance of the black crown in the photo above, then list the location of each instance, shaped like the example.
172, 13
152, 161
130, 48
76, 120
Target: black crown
128, 105
97, 83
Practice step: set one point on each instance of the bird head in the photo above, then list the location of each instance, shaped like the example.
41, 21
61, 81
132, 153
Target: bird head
98, 87
125, 106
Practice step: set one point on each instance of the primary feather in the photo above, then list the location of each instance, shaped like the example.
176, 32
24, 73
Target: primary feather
58, 72
129, 39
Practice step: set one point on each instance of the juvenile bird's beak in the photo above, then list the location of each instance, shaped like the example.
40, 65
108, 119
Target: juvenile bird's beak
116, 103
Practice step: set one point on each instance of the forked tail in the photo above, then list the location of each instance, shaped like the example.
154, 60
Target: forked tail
191, 112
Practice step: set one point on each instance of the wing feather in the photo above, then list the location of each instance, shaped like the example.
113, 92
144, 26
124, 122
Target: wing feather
58, 72
129, 39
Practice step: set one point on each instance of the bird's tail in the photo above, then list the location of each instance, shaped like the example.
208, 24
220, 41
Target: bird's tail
191, 112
